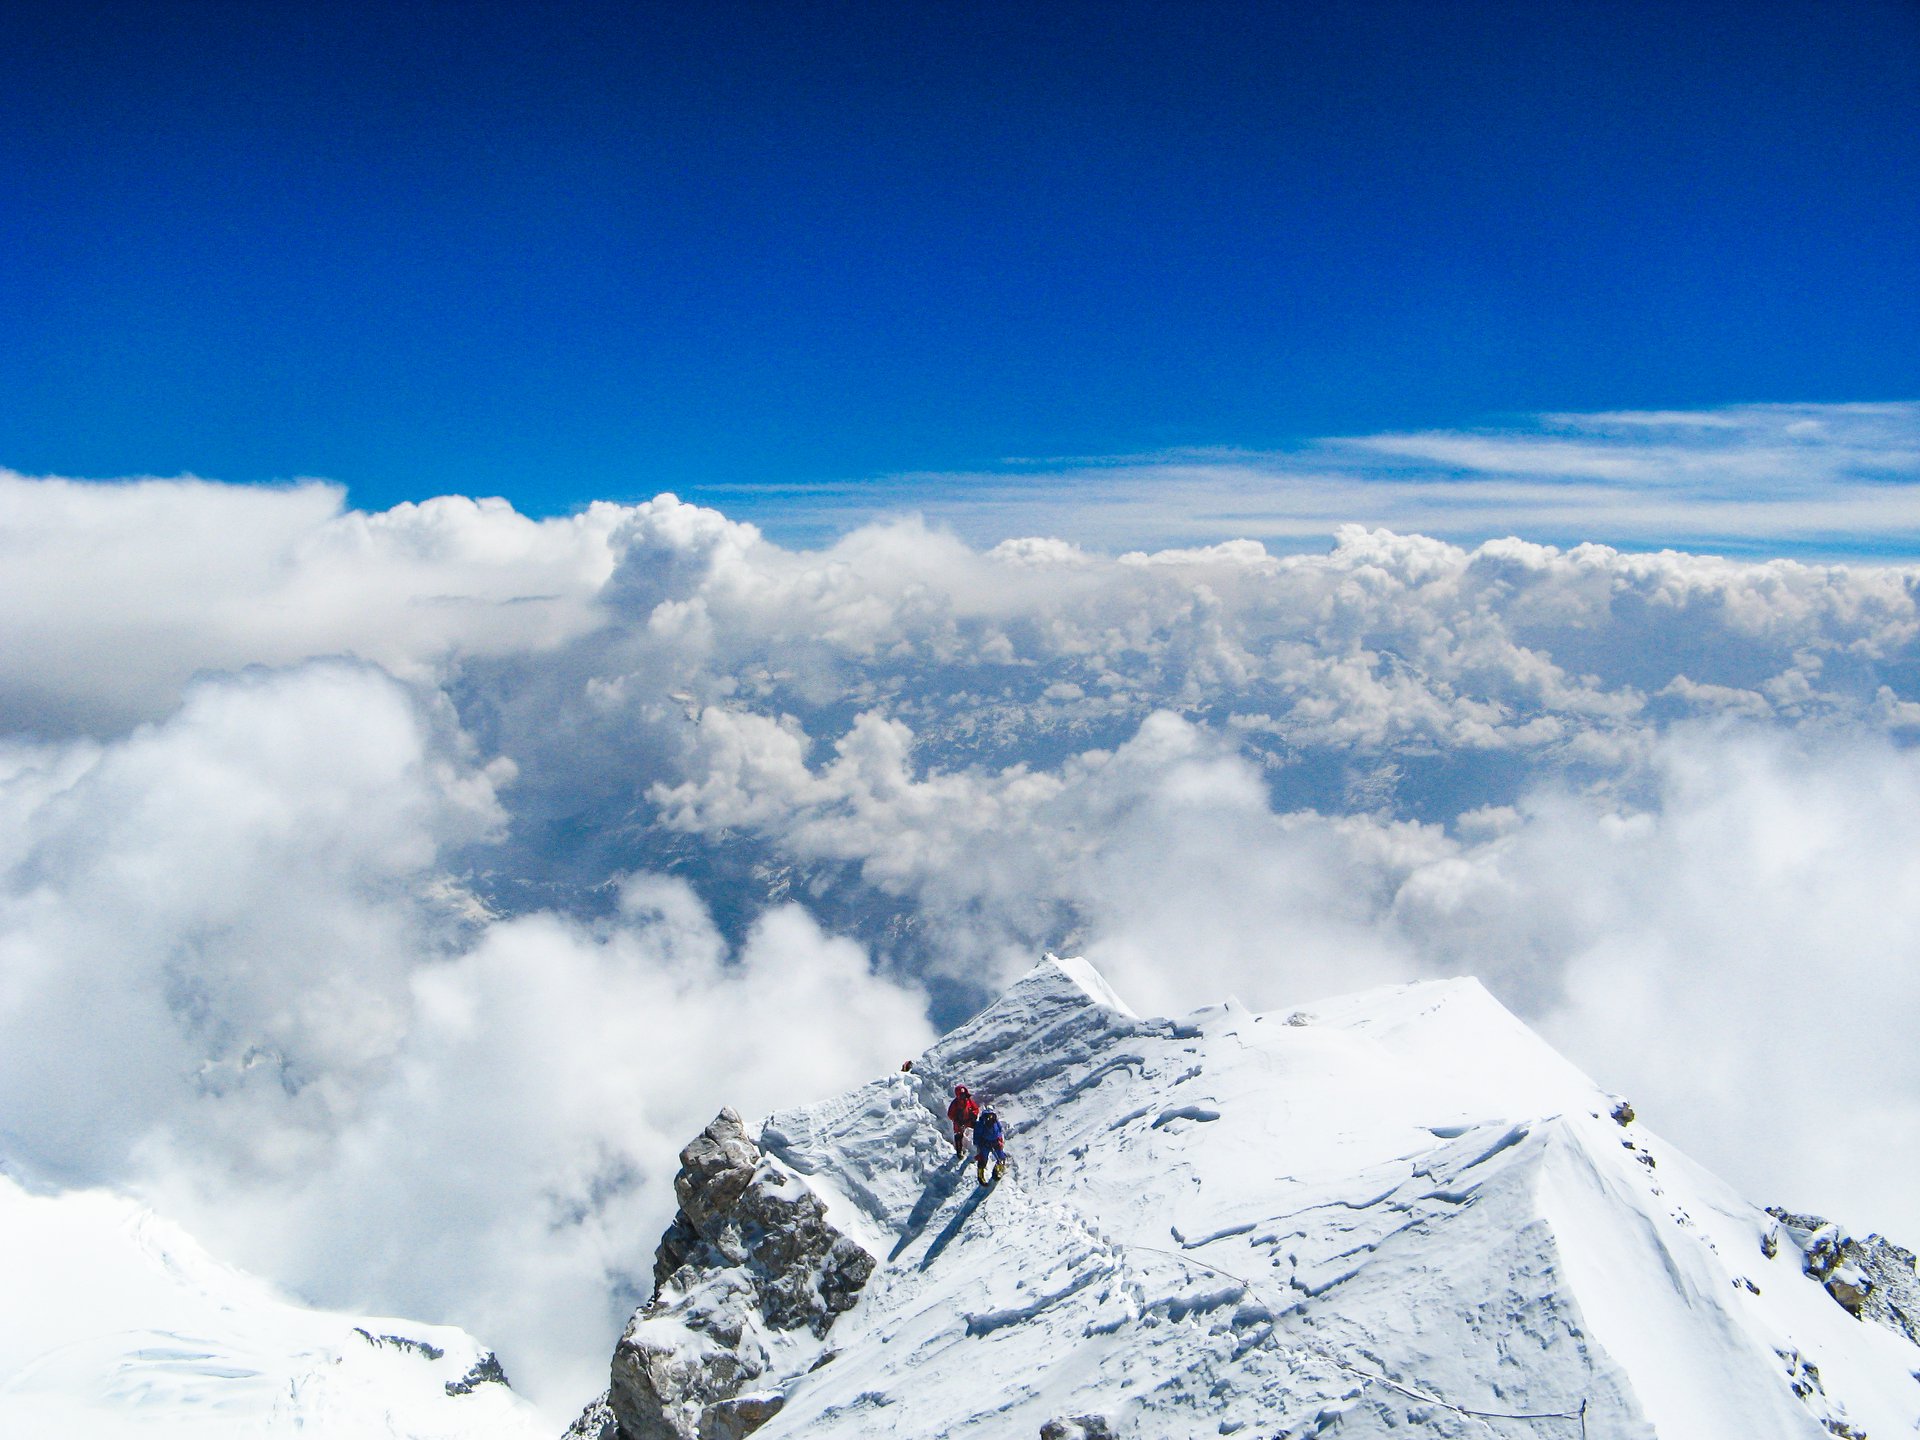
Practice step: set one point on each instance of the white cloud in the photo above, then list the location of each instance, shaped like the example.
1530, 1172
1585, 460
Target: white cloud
219, 907
1735, 949
513, 1170
114, 595
333, 908
1738, 954
236, 977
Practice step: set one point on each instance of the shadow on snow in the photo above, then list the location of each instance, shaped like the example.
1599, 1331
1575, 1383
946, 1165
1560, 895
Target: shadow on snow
945, 1180
945, 1237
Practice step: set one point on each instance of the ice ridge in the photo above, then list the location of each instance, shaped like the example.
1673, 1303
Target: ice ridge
1391, 1214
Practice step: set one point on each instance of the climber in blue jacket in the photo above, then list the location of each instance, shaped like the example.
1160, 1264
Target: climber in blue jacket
989, 1138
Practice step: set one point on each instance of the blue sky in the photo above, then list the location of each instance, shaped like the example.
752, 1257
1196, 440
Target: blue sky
284, 780
561, 253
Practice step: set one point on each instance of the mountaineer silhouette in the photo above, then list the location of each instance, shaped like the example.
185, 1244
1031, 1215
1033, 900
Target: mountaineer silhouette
962, 1112
989, 1139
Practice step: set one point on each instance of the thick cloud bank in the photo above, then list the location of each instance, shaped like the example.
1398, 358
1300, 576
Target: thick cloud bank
234, 971
390, 895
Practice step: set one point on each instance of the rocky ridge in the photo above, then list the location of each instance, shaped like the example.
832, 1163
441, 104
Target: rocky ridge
748, 1279
1395, 1214
1873, 1278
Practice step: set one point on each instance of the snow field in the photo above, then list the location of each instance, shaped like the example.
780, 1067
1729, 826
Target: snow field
1364, 1220
119, 1324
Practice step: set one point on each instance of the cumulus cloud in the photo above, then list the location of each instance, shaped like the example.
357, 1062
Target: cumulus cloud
234, 973
1741, 947
513, 1168
221, 906
1733, 945
113, 596
1385, 648
389, 896
1162, 858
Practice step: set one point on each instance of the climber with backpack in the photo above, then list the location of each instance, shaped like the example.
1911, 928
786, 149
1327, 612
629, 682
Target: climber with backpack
962, 1112
989, 1138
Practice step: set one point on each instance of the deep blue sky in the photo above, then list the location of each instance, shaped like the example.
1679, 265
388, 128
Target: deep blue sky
570, 251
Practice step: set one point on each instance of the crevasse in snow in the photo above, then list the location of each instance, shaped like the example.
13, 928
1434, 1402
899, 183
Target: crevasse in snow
1396, 1213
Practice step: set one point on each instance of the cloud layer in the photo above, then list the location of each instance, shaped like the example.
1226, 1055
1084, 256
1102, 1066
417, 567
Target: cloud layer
238, 975
389, 896
1813, 480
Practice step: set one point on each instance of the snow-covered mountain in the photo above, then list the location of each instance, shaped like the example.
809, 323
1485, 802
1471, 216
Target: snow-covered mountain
1395, 1214
116, 1323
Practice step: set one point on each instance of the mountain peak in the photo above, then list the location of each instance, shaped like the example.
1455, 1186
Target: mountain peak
1398, 1212
1053, 975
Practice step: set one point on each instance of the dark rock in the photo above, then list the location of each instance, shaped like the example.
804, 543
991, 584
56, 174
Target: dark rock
678, 1245
596, 1422
749, 1254
1078, 1427
1872, 1279
400, 1342
1802, 1375
715, 1170
1623, 1112
739, 1417
484, 1371
1851, 1289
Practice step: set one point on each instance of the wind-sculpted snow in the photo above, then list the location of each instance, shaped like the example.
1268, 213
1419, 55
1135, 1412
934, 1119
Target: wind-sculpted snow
1397, 1213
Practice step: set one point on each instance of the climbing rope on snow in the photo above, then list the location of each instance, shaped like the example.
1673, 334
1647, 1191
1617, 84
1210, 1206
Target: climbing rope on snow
1327, 1355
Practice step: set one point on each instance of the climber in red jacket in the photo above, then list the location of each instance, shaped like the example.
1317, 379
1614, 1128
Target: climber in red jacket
962, 1112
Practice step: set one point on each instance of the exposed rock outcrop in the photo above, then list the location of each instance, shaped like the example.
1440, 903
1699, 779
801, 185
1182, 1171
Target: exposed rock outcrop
1873, 1278
747, 1280
1300, 1263
739, 1417
1078, 1427
596, 1422
487, 1370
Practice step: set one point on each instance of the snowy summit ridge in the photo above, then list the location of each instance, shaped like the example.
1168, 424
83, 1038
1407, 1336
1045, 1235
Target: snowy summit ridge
120, 1324
1396, 1213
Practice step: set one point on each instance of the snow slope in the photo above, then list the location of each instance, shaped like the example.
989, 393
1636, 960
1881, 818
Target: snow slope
1368, 1220
116, 1323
